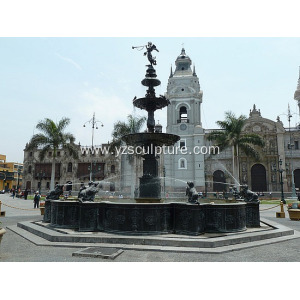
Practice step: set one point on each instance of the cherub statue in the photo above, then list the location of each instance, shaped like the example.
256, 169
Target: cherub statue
191, 193
150, 47
54, 194
88, 193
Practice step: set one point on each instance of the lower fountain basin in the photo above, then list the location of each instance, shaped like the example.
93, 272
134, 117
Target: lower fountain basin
154, 218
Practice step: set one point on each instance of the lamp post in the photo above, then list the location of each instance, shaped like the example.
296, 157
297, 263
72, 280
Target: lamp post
92, 171
93, 122
19, 173
281, 181
41, 175
290, 146
164, 172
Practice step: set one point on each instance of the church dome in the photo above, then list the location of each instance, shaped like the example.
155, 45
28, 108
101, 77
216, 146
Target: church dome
183, 55
183, 64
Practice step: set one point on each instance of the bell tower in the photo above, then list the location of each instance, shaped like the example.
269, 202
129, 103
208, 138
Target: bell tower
184, 119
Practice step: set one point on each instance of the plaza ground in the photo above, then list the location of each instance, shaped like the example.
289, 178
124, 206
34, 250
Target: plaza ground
14, 248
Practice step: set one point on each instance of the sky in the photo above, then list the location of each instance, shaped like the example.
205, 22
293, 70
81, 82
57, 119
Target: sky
74, 77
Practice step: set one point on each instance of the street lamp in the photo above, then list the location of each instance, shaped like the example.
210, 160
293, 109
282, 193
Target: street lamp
93, 122
19, 172
164, 172
92, 171
281, 180
290, 146
41, 175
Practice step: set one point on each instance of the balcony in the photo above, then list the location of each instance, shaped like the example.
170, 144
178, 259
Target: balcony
183, 121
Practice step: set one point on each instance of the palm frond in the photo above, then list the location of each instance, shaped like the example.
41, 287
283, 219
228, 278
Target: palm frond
43, 152
37, 140
62, 124
71, 149
252, 138
249, 151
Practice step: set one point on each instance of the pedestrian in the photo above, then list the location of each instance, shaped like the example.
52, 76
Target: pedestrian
36, 199
25, 194
13, 193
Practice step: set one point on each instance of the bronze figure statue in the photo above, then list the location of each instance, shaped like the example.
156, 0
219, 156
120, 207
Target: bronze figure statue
88, 193
150, 47
191, 192
54, 194
248, 195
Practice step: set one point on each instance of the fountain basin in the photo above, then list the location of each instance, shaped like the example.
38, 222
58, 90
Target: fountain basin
147, 138
150, 218
153, 103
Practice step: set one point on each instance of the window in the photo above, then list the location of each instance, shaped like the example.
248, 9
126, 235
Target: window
58, 153
182, 163
30, 154
112, 169
50, 154
48, 185
70, 167
29, 169
182, 144
183, 114
296, 145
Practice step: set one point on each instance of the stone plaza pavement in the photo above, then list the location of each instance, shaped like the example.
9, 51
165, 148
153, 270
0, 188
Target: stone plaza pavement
15, 248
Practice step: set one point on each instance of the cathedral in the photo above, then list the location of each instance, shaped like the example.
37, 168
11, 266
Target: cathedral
278, 167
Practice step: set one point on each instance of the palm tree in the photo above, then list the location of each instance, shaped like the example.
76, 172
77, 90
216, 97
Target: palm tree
53, 138
231, 135
133, 125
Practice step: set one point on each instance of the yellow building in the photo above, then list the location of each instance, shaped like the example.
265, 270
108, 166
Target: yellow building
10, 174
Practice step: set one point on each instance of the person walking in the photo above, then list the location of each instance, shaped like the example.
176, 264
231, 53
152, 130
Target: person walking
36, 199
25, 194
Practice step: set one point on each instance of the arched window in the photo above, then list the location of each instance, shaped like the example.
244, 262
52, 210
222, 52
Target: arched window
70, 167
183, 114
29, 169
112, 169
182, 163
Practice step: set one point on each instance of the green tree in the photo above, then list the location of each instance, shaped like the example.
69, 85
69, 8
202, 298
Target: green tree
53, 138
133, 125
231, 135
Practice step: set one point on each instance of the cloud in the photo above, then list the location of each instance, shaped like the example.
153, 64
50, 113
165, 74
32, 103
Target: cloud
69, 60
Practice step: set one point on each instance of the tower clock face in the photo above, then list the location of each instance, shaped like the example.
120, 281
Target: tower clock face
183, 127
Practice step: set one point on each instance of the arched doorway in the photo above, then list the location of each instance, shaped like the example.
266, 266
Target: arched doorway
258, 178
219, 180
297, 178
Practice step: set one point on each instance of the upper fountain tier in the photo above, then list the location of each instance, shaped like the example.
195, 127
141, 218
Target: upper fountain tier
150, 102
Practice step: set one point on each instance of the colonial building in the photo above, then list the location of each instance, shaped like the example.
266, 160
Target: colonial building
71, 172
10, 174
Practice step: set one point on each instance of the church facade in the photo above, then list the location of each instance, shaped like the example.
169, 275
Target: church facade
212, 173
